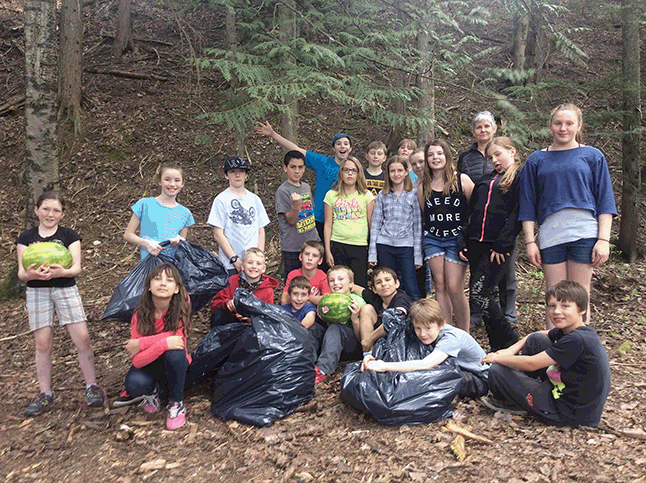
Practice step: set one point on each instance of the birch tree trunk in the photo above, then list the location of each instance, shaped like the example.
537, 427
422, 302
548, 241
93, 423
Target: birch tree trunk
70, 65
41, 162
631, 175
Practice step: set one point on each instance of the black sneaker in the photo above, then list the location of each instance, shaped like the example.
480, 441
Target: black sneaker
126, 399
94, 396
503, 406
42, 403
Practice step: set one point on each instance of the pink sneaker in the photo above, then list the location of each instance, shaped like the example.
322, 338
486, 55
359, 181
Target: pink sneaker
176, 416
150, 403
320, 377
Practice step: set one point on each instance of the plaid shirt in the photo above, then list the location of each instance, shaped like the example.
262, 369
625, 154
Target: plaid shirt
397, 222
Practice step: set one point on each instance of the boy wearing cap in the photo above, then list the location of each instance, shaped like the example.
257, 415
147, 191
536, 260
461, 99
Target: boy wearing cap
237, 216
326, 168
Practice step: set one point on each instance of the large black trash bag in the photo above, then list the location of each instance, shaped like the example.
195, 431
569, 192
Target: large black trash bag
203, 272
125, 298
402, 397
213, 350
270, 371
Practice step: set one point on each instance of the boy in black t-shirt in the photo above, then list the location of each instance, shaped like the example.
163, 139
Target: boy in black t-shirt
386, 294
375, 175
566, 376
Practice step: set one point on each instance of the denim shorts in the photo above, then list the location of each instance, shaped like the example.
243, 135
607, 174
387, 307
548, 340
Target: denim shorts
434, 246
576, 251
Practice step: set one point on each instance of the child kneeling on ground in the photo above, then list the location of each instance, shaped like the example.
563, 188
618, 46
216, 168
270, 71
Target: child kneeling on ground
563, 375
447, 341
300, 307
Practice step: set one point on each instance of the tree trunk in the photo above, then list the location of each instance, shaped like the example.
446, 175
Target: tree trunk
426, 84
232, 44
630, 198
289, 30
521, 30
70, 64
123, 39
399, 107
41, 163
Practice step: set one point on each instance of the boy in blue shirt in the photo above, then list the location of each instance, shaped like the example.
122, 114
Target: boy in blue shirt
563, 375
325, 167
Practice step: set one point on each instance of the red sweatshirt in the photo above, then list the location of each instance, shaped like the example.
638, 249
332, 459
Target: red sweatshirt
264, 292
152, 347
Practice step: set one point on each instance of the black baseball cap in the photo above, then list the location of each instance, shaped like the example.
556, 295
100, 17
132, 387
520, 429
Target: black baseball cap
236, 162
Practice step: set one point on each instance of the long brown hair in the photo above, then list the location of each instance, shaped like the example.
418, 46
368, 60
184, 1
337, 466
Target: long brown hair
179, 311
408, 184
507, 178
568, 106
360, 184
450, 176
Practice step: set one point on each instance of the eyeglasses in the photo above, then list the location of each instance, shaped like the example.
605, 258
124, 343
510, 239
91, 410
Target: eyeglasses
350, 170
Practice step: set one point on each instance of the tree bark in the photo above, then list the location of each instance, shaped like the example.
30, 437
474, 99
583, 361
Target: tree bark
232, 44
521, 30
631, 175
426, 83
399, 107
288, 30
123, 39
41, 162
70, 64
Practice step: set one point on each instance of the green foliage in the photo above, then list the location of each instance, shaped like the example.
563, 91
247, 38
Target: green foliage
346, 54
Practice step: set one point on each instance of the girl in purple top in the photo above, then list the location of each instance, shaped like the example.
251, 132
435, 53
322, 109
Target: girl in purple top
567, 189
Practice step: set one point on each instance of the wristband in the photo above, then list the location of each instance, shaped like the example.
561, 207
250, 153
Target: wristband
530, 242
603, 239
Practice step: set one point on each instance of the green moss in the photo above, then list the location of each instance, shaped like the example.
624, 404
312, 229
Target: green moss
11, 287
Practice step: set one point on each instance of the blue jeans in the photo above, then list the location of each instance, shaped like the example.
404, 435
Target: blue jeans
168, 370
401, 260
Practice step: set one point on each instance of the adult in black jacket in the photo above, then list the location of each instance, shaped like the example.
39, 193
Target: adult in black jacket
474, 163
491, 236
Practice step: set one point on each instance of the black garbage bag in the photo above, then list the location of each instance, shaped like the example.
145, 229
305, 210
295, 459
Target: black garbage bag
213, 350
125, 298
402, 397
270, 371
203, 273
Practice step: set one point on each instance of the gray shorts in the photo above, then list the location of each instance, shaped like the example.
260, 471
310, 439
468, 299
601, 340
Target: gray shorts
42, 301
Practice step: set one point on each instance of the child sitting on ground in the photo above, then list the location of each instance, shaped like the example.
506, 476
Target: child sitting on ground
298, 292
563, 376
375, 175
252, 279
447, 341
386, 295
339, 339
311, 257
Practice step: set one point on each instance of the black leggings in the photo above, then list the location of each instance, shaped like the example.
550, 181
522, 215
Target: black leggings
483, 294
353, 256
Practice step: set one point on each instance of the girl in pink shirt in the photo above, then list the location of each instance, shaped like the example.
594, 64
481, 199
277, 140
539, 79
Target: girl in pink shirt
157, 344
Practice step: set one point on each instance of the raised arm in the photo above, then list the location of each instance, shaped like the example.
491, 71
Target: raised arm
266, 130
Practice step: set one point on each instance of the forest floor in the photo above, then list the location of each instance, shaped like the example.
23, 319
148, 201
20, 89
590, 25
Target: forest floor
129, 127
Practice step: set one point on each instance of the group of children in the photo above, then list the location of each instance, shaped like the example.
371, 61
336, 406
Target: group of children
418, 209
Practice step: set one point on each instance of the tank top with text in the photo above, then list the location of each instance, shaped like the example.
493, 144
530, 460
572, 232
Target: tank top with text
444, 215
